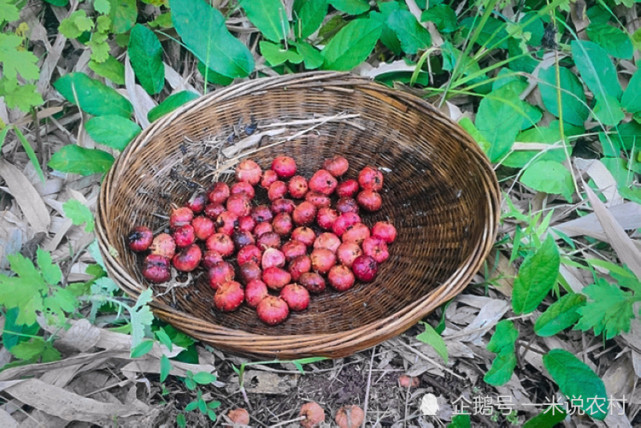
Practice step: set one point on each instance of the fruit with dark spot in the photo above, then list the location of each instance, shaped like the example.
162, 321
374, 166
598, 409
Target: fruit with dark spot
357, 233
239, 204
326, 217
296, 296
375, 248
277, 190
261, 213
313, 282
248, 171
184, 236
229, 296
249, 271
347, 188
369, 200
347, 253
269, 176
365, 268
384, 230
140, 238
249, 253
220, 273
347, 204
214, 210
299, 265
242, 187
163, 245
276, 278
155, 268
322, 260
180, 217
344, 222
341, 277
219, 193
255, 291
268, 240
314, 415
304, 213
220, 243
284, 166
242, 238
246, 223
263, 227
188, 258
323, 182
327, 240
272, 257
282, 224
272, 310
292, 249
297, 187
210, 258
226, 223
304, 234
318, 199
337, 165
370, 178
197, 202
204, 227
283, 205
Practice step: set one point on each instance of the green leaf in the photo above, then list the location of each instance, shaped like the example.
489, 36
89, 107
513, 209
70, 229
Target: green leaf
499, 121
141, 317
608, 110
310, 17
191, 406
276, 54
548, 418
549, 177
312, 57
75, 24
460, 421
268, 16
165, 368
575, 110
92, 96
412, 35
432, 338
30, 349
102, 6
142, 348
577, 380
13, 333
79, 160
145, 54
204, 378
501, 370
560, 315
111, 69
596, 69
542, 135
8, 11
352, 44
502, 344
164, 338
630, 99
123, 14
212, 77
51, 272
612, 39
113, 131
20, 96
350, 7
30, 153
471, 129
79, 214
181, 421
16, 60
442, 16
536, 276
171, 103
202, 29
608, 310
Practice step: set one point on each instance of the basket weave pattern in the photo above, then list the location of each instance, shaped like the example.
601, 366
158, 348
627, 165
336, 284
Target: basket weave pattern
440, 193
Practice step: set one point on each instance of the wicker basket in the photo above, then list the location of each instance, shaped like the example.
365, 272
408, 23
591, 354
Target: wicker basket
440, 192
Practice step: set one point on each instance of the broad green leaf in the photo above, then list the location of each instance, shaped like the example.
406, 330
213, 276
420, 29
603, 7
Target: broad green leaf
352, 44
202, 29
442, 16
502, 344
499, 121
30, 153
575, 109
162, 21
165, 368
550, 417
59, 3
145, 54
164, 338
410, 32
113, 131
20, 96
432, 338
388, 36
268, 16
577, 380
275, 54
471, 129
92, 96
8, 11
16, 60
204, 378
212, 77
79, 214
142, 348
51, 272
13, 333
550, 135
537, 275
102, 6
631, 101
79, 160
311, 56
310, 16
596, 69
460, 421
171, 103
501, 370
612, 39
608, 111
350, 7
609, 309
75, 24
141, 317
560, 315
636, 39
111, 69
123, 14
29, 349
549, 177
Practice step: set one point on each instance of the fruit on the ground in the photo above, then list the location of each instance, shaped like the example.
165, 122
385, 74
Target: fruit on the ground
344, 222
326, 217
369, 200
269, 176
336, 165
263, 227
282, 224
375, 248
276, 278
184, 236
313, 413
219, 193
297, 187
210, 258
313, 282
140, 238
163, 245
304, 234
249, 253
327, 240
155, 268
214, 210
365, 268
347, 188
220, 273
340, 277
406, 381
226, 222
203, 226
255, 291
238, 416
250, 271
322, 260
261, 213
220, 243
187, 259
347, 253
296, 296
277, 190
244, 188
323, 182
299, 265
229, 296
385, 231
248, 171
370, 178
268, 240
242, 238
284, 166
356, 233
318, 199
272, 257
304, 213
246, 223
272, 310
283, 205
351, 416
180, 216
347, 204
238, 204
292, 249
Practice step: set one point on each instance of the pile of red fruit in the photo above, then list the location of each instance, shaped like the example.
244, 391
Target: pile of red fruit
292, 247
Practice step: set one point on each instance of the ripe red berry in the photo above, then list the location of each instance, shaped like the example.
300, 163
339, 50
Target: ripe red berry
375, 248
318, 199
219, 193
255, 291
197, 202
246, 223
284, 166
268, 240
365, 268
272, 257
297, 187
220, 243
155, 268
304, 214
344, 222
249, 271
314, 415
214, 210
163, 245
276, 278
229, 296
272, 310
180, 217
304, 234
323, 182
370, 178
220, 273
210, 258
292, 249
140, 238
313, 282
385, 231
184, 236
261, 213
322, 260
356, 233
347, 188
336, 165
204, 227
326, 217
327, 240
242, 238
347, 252
249, 253
369, 200
263, 227
277, 190
239, 204
248, 171
299, 265
226, 223
238, 416
283, 205
347, 204
242, 187
340, 277
269, 176
296, 296
188, 258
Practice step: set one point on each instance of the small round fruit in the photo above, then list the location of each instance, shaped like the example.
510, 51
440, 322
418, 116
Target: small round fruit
298, 266
318, 199
349, 417
243, 187
188, 258
263, 227
284, 166
249, 171
282, 224
249, 271
347, 253
268, 240
375, 248
210, 258
226, 223
255, 291
347, 188
180, 217
184, 236
220, 243
406, 381
277, 190
204, 227
220, 273
140, 238
246, 223
214, 210
357, 233
322, 260
340, 277
272, 310
272, 257
276, 278
327, 240
219, 193
163, 245
369, 200
292, 249
314, 415
370, 178
296, 296
229, 296
326, 217
323, 182
313, 282
337, 165
197, 202
239, 204
385, 231
297, 187
261, 213
283, 205
155, 268
304, 234
249, 253
304, 213
269, 176
347, 204
365, 268
242, 238
344, 222
238, 416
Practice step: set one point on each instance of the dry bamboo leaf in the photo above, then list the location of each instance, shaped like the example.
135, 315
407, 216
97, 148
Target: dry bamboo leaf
627, 215
492, 310
27, 197
139, 98
261, 382
176, 81
367, 70
61, 376
503, 273
603, 179
6, 421
81, 336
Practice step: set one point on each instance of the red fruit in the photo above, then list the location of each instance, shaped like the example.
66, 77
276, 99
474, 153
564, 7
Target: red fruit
261, 213
318, 199
336, 166
277, 190
322, 259
376, 249
313, 282
314, 415
219, 193
272, 257
269, 177
347, 188
297, 187
284, 166
255, 291
292, 249
341, 278
246, 223
283, 205
304, 234
163, 245
188, 258
296, 296
220, 243
140, 238
272, 310
263, 227
299, 266
323, 182
204, 227
229, 296
249, 271
406, 381
268, 240
365, 268
184, 236
282, 224
197, 202
344, 222
248, 171
249, 253
349, 417
239, 204
155, 268
304, 214
370, 178
326, 217
369, 200
276, 278
180, 217
242, 238
214, 210
210, 258
220, 273
385, 231
243, 187
347, 252
327, 240
226, 223
345, 204
356, 233
238, 416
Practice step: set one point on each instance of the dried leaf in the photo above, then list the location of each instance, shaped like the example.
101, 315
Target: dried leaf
27, 197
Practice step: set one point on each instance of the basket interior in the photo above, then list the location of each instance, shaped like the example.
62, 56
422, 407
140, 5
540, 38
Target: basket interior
432, 193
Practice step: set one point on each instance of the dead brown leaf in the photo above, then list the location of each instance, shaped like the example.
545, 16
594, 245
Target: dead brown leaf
26, 196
